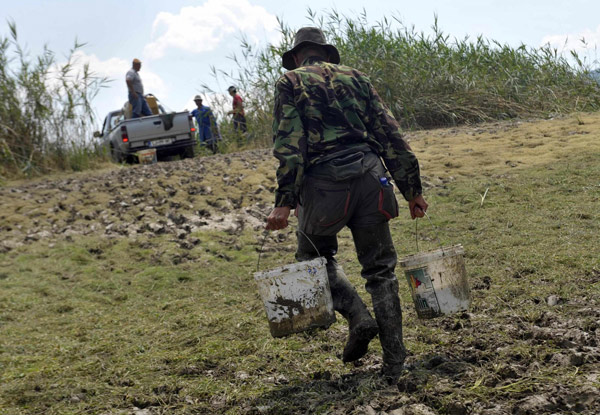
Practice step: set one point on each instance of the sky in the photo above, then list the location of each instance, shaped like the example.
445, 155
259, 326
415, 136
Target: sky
179, 40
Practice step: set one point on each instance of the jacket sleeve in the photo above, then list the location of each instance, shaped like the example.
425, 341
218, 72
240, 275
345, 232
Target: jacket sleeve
396, 153
288, 141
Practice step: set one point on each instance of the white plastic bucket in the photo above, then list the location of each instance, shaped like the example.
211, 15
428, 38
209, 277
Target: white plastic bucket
147, 156
296, 297
438, 281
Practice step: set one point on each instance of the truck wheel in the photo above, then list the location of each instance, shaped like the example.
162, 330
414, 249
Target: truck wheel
187, 153
116, 155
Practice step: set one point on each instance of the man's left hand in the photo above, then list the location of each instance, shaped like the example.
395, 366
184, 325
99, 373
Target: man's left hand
417, 207
278, 219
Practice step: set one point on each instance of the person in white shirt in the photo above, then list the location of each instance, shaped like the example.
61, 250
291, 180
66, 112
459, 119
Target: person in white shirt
139, 106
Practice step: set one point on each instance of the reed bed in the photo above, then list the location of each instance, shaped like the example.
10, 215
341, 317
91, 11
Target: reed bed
430, 79
46, 118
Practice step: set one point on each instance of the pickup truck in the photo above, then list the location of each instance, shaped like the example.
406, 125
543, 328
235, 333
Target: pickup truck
170, 133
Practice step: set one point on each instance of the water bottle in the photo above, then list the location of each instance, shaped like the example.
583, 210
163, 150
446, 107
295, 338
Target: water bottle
384, 181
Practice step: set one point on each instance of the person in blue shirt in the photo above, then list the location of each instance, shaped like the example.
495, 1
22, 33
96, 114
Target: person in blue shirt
207, 134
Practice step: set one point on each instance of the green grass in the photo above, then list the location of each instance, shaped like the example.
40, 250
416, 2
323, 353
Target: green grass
99, 325
428, 79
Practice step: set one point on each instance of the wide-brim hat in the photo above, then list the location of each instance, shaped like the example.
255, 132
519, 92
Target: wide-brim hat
309, 36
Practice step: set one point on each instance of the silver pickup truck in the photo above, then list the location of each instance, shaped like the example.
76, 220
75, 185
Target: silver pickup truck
170, 133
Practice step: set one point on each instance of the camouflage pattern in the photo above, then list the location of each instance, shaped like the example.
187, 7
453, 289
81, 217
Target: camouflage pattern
321, 108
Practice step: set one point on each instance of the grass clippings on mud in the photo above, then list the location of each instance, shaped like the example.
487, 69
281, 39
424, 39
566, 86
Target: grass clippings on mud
132, 289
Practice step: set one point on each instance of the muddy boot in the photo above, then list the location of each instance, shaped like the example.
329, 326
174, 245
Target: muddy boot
377, 256
346, 301
388, 313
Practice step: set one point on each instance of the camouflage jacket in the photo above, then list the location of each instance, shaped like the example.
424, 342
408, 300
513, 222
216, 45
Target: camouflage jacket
321, 108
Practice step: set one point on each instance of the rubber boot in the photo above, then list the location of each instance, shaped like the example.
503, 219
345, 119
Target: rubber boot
377, 256
362, 328
388, 313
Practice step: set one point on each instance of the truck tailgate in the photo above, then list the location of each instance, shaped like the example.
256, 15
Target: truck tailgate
152, 129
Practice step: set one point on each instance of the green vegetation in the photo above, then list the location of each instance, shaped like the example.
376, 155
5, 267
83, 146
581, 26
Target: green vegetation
112, 299
45, 111
102, 323
428, 80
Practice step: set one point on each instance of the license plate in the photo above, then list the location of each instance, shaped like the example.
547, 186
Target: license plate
161, 142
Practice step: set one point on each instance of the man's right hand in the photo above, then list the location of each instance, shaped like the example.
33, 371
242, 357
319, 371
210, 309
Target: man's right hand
278, 219
418, 207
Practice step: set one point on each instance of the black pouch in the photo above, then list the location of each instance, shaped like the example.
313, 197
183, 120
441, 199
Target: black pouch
326, 214
340, 168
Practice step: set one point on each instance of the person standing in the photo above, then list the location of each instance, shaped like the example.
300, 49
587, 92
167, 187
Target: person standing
331, 132
239, 117
207, 127
139, 106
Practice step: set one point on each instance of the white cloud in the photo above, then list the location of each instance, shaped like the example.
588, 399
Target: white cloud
114, 95
580, 42
115, 69
202, 28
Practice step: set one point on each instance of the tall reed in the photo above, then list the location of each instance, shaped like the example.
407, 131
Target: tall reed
45, 110
428, 80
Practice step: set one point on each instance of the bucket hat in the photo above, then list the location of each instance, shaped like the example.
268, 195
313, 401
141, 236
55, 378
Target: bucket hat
197, 98
309, 36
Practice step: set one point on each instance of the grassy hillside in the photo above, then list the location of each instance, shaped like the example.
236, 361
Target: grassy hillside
130, 290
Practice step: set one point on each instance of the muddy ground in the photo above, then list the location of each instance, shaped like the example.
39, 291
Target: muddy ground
175, 198
500, 360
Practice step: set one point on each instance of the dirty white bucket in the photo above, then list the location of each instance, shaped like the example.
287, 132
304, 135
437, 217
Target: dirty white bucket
147, 156
296, 297
438, 281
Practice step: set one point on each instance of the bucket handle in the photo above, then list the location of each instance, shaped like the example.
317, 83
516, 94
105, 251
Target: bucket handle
437, 233
265, 239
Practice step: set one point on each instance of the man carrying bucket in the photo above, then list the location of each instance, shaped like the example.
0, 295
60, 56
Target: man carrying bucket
331, 130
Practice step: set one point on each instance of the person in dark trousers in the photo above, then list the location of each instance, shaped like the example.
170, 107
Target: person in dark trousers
239, 116
331, 133
135, 88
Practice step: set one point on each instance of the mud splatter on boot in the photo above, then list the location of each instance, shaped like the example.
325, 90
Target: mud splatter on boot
346, 301
359, 339
377, 256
